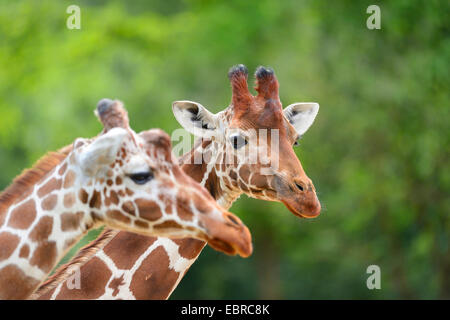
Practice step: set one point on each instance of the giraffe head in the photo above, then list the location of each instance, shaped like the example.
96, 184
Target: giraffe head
252, 141
132, 182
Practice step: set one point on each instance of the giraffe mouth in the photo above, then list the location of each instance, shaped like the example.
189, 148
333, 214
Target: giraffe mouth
301, 214
221, 245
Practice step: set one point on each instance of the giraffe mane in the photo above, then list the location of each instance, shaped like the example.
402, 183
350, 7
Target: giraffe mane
30, 177
65, 270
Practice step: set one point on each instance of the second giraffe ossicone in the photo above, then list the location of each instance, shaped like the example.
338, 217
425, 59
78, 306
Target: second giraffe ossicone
124, 180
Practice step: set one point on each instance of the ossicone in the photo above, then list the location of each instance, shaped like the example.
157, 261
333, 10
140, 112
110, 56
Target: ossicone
266, 83
112, 114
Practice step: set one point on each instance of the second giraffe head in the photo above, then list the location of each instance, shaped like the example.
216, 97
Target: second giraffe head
249, 144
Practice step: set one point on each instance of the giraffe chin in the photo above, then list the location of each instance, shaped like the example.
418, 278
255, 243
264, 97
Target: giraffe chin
225, 247
312, 213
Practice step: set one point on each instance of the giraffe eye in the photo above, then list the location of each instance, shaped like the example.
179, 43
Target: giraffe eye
238, 141
141, 177
297, 142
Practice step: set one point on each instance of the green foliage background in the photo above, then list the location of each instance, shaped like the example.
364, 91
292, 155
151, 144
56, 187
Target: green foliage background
378, 152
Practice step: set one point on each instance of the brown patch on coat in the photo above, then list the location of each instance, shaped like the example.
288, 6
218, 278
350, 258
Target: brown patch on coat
83, 196
148, 210
128, 207
96, 200
141, 224
24, 251
168, 225
154, 280
89, 289
243, 186
116, 215
24, 195
167, 203
71, 221
15, 283
69, 200
259, 181
244, 173
201, 204
69, 179
49, 202
50, 186
189, 248
22, 216
126, 247
115, 284
113, 197
183, 206
227, 182
62, 169
42, 230
44, 256
8, 243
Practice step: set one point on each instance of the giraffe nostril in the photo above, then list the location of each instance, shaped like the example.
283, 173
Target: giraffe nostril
299, 186
233, 220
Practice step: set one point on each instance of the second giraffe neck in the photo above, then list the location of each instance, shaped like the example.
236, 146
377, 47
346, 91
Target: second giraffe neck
205, 173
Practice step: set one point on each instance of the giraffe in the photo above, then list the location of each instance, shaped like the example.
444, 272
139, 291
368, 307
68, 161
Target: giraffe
140, 267
120, 179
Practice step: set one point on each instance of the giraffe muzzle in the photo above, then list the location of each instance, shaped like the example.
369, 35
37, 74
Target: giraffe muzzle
299, 196
229, 235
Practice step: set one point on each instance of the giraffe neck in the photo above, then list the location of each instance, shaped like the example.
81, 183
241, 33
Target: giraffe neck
207, 175
38, 228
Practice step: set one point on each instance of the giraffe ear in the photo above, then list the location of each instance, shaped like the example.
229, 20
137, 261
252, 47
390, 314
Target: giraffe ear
301, 115
101, 152
195, 118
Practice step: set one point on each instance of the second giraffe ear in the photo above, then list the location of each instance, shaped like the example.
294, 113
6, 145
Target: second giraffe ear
301, 115
101, 152
195, 118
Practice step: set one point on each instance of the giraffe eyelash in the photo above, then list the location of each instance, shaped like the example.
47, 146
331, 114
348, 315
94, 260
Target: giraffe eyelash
141, 177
